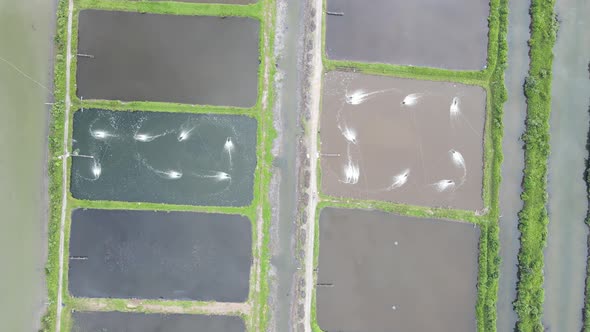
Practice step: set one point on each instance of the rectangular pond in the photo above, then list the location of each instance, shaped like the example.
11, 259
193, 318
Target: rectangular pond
140, 322
451, 34
160, 255
384, 272
402, 140
175, 158
168, 58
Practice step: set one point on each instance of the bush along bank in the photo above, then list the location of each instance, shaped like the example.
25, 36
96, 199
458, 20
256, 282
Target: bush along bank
533, 217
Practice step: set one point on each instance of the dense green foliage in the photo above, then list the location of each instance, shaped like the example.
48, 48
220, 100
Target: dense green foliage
533, 216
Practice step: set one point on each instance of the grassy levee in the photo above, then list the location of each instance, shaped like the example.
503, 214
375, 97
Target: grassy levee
586, 310
492, 80
533, 216
54, 167
259, 209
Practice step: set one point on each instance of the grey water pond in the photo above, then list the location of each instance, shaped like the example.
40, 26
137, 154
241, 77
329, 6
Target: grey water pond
385, 272
451, 34
160, 255
139, 322
168, 58
175, 158
402, 140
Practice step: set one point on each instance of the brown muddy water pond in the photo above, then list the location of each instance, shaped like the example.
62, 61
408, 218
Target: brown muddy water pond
168, 58
384, 272
139, 322
174, 158
160, 255
402, 140
451, 34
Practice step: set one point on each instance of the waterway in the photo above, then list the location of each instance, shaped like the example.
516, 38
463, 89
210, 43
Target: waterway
26, 34
510, 189
284, 227
565, 255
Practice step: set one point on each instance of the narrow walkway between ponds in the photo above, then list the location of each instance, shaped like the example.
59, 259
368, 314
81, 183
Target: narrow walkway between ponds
283, 230
565, 255
510, 189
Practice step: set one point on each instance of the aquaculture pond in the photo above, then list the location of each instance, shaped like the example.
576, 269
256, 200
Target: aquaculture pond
139, 322
384, 272
402, 140
168, 58
175, 158
451, 34
160, 255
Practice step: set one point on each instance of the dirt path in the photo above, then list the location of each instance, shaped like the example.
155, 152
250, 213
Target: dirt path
64, 184
315, 90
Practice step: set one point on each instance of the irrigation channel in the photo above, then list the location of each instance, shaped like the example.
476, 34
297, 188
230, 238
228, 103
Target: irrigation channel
510, 202
26, 31
565, 255
284, 260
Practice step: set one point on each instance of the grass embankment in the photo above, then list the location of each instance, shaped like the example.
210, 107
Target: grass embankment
533, 216
492, 80
264, 11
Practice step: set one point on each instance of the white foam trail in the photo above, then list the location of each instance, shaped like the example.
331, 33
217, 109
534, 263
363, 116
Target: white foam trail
351, 173
218, 176
444, 185
457, 158
172, 174
455, 110
349, 134
101, 134
185, 134
411, 99
145, 137
96, 170
229, 146
400, 179
358, 97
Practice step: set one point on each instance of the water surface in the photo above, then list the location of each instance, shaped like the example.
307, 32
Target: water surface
510, 189
160, 255
175, 158
401, 140
449, 34
138, 322
26, 34
566, 252
384, 272
168, 58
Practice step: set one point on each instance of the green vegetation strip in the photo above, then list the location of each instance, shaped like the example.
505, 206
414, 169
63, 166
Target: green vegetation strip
491, 79
264, 10
533, 216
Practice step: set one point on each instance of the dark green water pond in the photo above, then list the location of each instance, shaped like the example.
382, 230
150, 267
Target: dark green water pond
173, 158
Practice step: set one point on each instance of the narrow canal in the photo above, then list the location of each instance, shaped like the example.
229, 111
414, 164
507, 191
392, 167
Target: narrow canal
283, 230
510, 189
565, 255
26, 34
